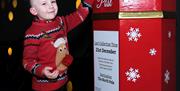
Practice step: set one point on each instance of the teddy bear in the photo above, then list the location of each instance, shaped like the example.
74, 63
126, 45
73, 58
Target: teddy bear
61, 52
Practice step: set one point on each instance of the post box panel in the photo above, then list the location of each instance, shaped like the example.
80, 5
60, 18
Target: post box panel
169, 55
140, 54
144, 59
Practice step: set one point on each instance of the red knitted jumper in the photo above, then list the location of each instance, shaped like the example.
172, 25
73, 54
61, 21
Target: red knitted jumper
39, 50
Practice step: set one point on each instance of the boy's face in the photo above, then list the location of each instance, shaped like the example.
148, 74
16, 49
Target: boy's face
44, 9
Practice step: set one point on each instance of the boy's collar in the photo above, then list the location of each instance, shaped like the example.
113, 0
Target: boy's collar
43, 21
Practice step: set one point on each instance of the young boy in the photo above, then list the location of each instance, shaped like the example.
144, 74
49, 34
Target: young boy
42, 41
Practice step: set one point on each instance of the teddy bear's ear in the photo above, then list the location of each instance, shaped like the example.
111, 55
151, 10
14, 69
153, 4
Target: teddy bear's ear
58, 42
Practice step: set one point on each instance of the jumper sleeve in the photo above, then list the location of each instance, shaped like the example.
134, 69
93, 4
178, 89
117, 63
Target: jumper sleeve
30, 58
76, 17
67, 60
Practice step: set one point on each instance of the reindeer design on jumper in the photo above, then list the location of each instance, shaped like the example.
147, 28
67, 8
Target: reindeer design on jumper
62, 51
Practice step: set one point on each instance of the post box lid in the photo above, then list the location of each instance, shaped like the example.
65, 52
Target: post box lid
101, 6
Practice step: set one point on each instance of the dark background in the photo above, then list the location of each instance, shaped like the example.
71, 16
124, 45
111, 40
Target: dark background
12, 75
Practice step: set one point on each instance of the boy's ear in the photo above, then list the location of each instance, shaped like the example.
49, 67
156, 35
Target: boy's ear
33, 11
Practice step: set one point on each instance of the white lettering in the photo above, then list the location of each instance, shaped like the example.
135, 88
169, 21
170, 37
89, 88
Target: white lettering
105, 3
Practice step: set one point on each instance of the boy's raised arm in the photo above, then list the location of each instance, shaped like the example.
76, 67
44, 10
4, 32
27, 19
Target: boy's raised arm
74, 19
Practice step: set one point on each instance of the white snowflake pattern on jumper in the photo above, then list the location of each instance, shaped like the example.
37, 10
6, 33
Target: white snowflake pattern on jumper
132, 74
152, 51
167, 76
133, 34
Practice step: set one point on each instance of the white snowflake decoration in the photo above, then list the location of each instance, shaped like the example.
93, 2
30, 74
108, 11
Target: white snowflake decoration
126, 1
167, 76
169, 34
132, 74
152, 51
133, 34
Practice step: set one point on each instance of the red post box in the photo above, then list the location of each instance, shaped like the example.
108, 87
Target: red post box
134, 45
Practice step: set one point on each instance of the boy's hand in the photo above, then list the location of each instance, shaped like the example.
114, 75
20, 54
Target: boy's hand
78, 2
51, 75
62, 67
